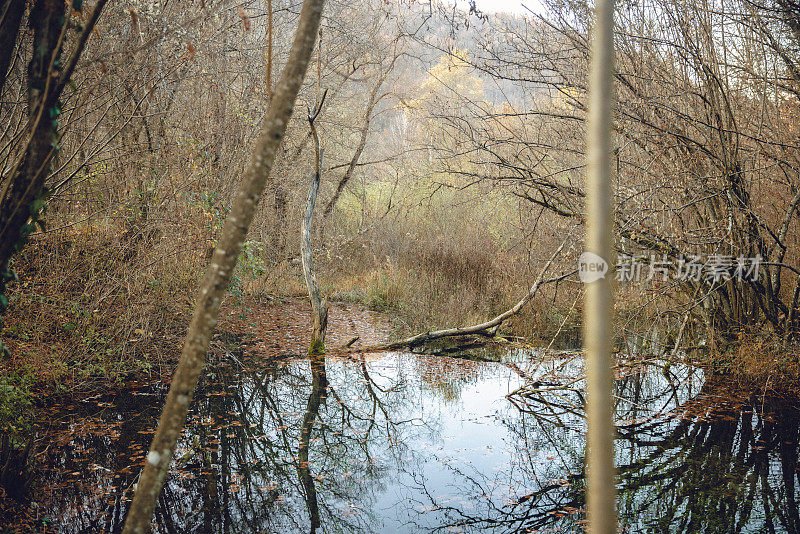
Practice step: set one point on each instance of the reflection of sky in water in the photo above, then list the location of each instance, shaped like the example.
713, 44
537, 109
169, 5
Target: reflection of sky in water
408, 443
464, 431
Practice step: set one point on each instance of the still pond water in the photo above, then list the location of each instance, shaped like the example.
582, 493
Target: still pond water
399, 442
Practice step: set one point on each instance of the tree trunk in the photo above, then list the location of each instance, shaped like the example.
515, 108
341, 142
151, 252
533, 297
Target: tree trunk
25, 182
599, 300
319, 306
22, 188
11, 12
318, 395
218, 273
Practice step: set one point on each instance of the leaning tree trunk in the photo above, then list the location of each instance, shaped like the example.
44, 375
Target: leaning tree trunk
218, 273
373, 100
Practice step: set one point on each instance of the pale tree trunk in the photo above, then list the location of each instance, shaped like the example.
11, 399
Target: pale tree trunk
319, 306
218, 273
319, 388
598, 307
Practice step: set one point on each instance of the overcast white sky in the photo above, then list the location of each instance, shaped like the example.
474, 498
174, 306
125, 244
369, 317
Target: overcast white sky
508, 6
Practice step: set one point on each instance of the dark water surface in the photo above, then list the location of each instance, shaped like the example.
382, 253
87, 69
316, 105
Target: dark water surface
407, 443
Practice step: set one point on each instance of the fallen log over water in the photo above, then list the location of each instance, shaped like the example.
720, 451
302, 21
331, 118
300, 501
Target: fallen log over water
488, 328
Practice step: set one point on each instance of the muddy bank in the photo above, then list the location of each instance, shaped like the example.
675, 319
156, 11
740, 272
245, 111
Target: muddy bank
281, 326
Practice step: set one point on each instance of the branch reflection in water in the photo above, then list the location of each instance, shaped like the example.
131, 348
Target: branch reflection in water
407, 443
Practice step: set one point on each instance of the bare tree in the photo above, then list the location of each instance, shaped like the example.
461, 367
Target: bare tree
707, 160
318, 305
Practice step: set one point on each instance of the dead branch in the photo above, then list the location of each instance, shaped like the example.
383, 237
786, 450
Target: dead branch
488, 328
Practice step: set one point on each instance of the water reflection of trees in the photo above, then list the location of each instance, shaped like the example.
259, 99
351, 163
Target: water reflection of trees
279, 448
303, 447
721, 468
690, 460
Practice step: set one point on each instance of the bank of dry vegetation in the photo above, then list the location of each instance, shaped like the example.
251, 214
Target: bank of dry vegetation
110, 305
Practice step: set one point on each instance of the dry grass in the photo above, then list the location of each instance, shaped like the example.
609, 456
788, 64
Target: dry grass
96, 302
91, 304
433, 281
758, 361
